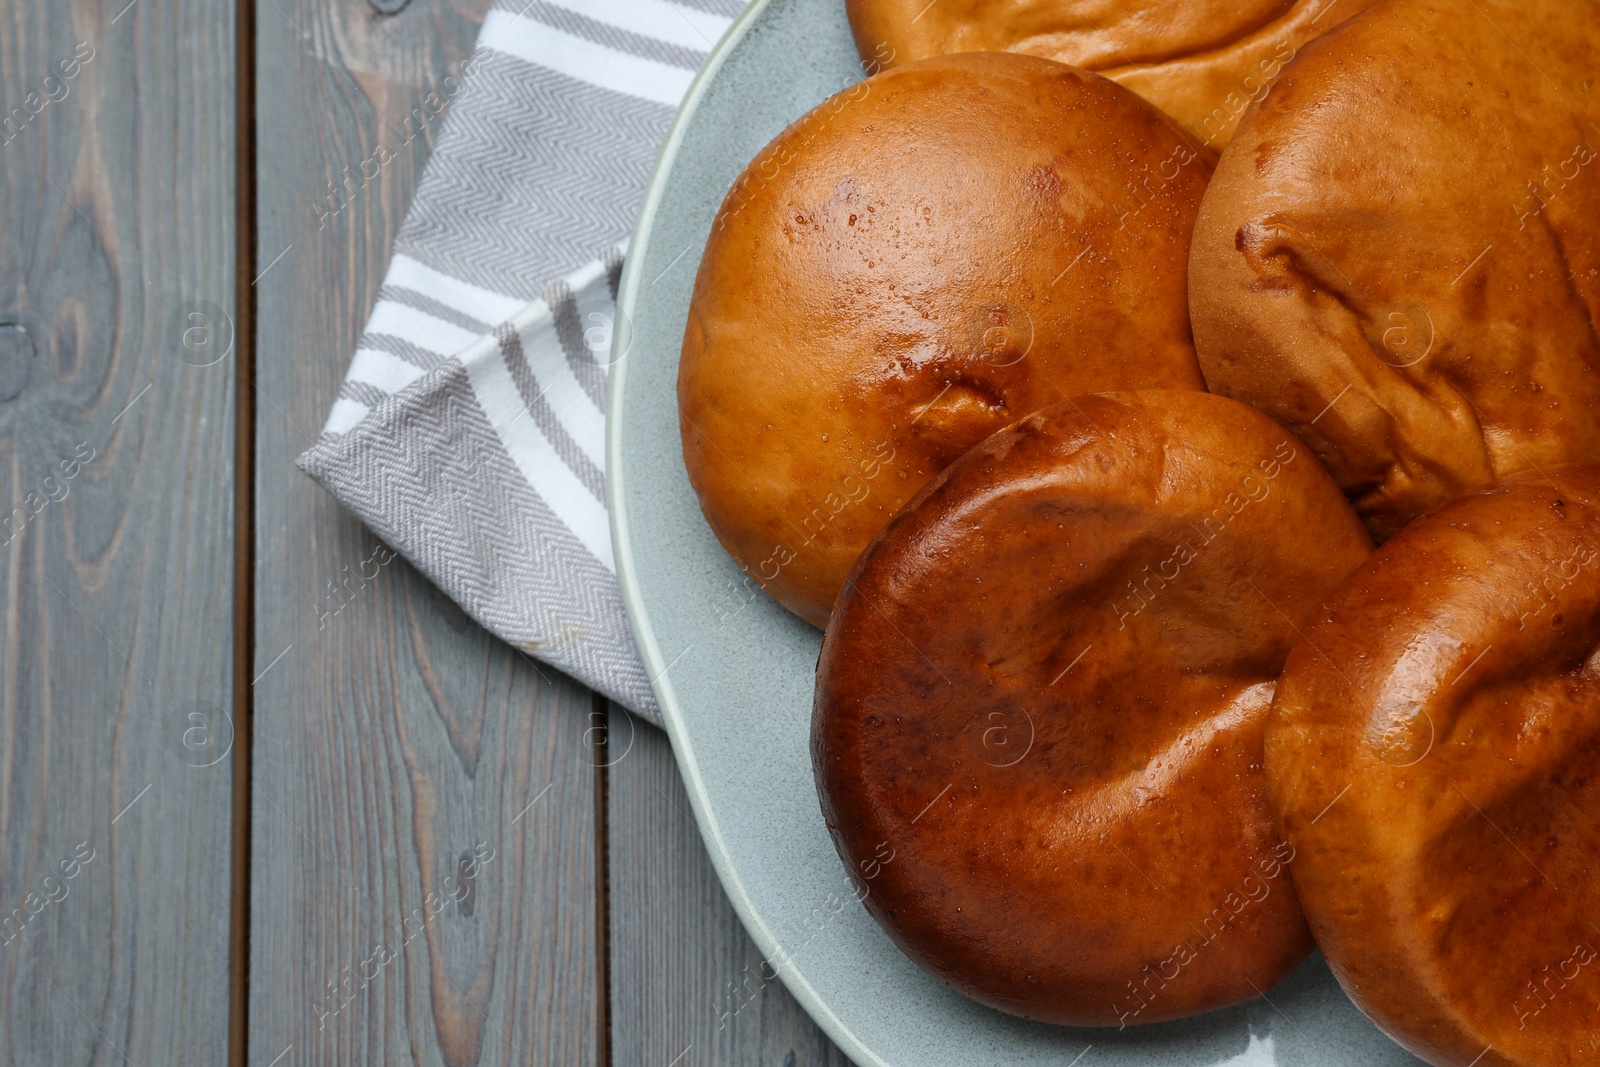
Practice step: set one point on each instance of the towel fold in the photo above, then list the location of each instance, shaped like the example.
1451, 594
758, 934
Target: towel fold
469, 432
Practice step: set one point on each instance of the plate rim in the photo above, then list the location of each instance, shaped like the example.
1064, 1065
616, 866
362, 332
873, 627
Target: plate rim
655, 663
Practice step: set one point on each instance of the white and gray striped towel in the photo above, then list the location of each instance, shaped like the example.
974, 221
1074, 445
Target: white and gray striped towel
469, 431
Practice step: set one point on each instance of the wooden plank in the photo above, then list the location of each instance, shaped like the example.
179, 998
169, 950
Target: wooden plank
395, 742
688, 987
116, 462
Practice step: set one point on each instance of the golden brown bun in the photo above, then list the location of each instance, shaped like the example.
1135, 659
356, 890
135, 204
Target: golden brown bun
1039, 709
1433, 754
1399, 258
922, 260
1204, 62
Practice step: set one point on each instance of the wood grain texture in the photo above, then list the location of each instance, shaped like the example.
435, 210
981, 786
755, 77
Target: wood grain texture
397, 747
116, 475
688, 987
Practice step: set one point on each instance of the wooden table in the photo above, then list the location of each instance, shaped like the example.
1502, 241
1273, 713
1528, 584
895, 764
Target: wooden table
265, 798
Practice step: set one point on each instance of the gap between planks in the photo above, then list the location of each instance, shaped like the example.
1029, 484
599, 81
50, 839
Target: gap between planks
602, 882
244, 526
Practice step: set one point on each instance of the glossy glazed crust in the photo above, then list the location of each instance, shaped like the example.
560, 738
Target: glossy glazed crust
920, 261
1037, 728
1434, 755
1204, 62
1399, 257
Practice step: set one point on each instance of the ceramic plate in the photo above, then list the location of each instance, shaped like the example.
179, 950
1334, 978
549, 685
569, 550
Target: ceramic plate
733, 671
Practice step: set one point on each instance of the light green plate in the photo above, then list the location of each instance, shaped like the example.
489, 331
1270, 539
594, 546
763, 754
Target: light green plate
733, 671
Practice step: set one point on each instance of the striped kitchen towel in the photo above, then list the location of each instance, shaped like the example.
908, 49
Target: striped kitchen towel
469, 431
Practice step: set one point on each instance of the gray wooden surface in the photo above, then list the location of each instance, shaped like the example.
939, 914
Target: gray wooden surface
395, 742
421, 847
687, 984
116, 214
